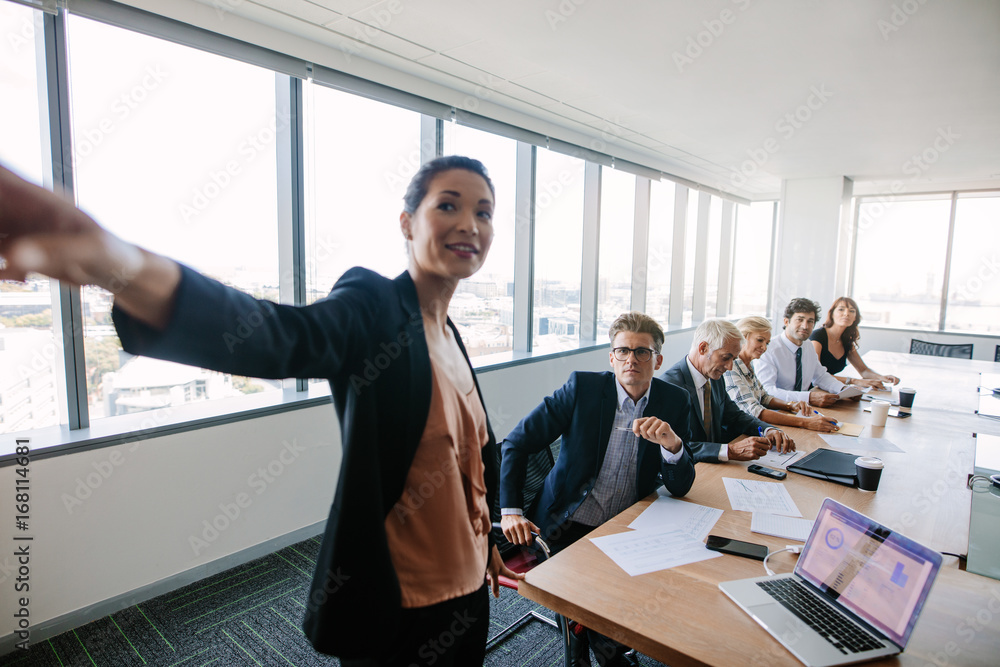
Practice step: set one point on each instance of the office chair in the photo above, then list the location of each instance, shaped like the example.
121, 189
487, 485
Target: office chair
521, 559
539, 465
963, 351
525, 559
996, 355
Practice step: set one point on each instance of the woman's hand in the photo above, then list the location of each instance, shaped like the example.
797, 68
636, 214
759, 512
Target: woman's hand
43, 233
820, 423
889, 379
495, 568
798, 407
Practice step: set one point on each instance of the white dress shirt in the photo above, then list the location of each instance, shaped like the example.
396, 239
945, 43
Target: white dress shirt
776, 371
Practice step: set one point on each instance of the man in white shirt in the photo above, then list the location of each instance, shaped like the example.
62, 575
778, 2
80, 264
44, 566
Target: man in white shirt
788, 368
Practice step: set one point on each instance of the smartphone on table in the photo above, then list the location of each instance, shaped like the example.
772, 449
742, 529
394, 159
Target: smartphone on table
766, 472
728, 545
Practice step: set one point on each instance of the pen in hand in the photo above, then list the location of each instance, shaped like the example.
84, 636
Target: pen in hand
832, 421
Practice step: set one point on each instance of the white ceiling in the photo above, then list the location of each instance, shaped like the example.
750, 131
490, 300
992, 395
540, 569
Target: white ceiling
703, 89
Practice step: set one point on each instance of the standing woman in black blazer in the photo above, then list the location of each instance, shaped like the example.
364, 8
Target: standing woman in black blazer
407, 540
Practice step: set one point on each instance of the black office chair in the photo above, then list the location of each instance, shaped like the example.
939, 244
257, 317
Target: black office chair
963, 351
521, 559
996, 355
524, 560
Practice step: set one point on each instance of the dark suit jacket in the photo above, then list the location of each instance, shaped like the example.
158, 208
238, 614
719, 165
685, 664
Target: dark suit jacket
367, 339
728, 420
582, 412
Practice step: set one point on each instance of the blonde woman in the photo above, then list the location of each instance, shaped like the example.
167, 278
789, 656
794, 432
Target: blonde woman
748, 392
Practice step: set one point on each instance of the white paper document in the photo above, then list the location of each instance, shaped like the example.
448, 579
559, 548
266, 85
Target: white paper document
850, 391
860, 443
667, 513
781, 526
640, 551
775, 459
752, 496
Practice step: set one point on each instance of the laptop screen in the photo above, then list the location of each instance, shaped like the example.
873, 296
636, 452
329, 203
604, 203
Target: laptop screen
881, 576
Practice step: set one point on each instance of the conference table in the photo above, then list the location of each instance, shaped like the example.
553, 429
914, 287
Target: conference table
680, 617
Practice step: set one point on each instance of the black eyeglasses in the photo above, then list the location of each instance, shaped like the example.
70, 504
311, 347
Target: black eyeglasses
642, 354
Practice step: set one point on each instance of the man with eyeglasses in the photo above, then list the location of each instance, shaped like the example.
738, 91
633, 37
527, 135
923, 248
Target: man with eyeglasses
716, 419
623, 436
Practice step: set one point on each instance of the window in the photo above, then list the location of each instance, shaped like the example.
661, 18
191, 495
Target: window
712, 259
614, 283
690, 241
660, 250
974, 283
558, 251
752, 258
359, 158
899, 263
483, 305
20, 133
174, 149
32, 374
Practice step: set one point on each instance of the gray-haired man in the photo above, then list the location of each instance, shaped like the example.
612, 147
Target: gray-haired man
717, 419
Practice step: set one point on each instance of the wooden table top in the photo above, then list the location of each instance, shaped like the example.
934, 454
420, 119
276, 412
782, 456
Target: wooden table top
680, 617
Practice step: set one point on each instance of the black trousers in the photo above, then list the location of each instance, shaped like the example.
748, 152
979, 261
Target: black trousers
447, 634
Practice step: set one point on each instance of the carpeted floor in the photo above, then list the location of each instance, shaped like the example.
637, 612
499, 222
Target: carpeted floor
251, 615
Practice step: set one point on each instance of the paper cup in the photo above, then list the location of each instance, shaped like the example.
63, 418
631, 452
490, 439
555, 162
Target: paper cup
880, 410
869, 470
906, 396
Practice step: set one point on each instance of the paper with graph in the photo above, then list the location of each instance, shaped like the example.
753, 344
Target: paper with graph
749, 495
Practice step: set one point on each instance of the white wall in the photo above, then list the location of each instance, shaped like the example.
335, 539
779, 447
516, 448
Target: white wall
809, 234
113, 520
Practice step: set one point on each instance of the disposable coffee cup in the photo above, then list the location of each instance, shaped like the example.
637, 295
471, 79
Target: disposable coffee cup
869, 469
880, 410
906, 396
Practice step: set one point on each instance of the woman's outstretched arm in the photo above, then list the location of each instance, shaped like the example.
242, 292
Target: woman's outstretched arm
44, 233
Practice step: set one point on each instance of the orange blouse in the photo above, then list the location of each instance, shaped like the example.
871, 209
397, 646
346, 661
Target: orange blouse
438, 528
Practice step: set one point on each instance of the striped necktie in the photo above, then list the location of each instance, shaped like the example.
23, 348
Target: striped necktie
798, 369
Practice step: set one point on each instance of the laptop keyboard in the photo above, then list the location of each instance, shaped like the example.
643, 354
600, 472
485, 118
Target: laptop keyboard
845, 635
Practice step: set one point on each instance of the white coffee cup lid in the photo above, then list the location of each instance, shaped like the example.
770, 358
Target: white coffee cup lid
871, 462
878, 402
908, 389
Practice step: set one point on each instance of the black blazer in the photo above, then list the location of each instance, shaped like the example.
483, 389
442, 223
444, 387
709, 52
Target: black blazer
728, 420
367, 339
582, 411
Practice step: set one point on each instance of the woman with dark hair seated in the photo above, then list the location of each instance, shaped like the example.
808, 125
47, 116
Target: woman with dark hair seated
836, 343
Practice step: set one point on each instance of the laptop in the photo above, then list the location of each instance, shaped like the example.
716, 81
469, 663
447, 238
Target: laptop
855, 594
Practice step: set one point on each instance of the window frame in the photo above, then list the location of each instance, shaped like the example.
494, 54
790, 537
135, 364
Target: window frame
290, 73
945, 287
